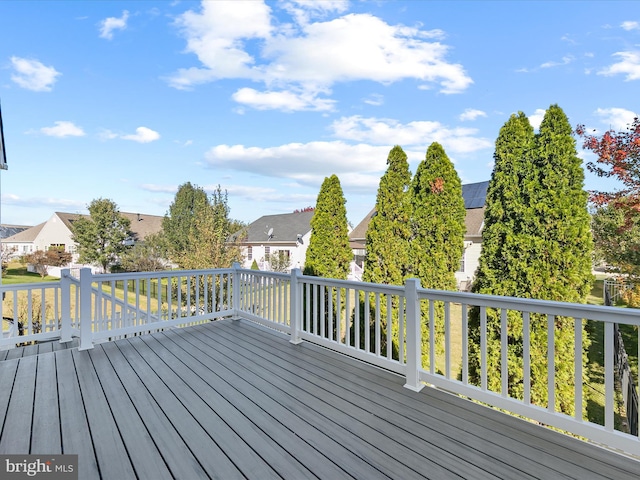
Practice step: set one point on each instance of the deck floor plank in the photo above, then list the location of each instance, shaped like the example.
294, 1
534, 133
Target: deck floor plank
362, 382
232, 399
147, 461
111, 453
8, 371
20, 410
45, 431
74, 426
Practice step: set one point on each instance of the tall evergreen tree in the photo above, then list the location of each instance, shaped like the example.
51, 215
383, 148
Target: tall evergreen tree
536, 243
506, 239
438, 228
563, 220
437, 221
388, 233
329, 254
387, 243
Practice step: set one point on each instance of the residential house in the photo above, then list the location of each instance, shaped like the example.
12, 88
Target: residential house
269, 234
56, 232
474, 195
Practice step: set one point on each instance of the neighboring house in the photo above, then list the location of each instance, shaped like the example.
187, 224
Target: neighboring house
474, 195
56, 232
9, 230
288, 232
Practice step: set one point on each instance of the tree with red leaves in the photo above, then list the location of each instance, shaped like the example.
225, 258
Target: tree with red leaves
616, 216
618, 157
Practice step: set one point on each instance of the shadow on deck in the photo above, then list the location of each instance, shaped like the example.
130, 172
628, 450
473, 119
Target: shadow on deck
236, 400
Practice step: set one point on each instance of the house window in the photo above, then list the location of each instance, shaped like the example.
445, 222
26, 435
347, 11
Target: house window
249, 252
267, 251
462, 262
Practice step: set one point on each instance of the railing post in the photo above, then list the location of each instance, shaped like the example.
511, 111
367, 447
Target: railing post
86, 324
65, 305
236, 291
413, 338
295, 312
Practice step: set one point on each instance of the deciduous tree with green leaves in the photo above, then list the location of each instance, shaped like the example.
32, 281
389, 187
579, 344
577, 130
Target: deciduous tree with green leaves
197, 228
101, 236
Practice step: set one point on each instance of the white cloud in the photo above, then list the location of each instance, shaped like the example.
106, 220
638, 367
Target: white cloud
358, 166
471, 114
536, 119
308, 57
63, 129
567, 59
374, 99
304, 10
142, 135
421, 134
616, 118
287, 101
630, 25
108, 25
629, 65
33, 75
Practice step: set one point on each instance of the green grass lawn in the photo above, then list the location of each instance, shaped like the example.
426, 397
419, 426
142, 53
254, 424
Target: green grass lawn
17, 274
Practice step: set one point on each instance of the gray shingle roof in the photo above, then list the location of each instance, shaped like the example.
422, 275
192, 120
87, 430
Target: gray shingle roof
286, 228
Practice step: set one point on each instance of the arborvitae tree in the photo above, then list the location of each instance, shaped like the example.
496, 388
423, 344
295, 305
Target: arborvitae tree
437, 221
101, 237
564, 260
503, 268
388, 233
329, 254
387, 240
535, 244
563, 221
438, 228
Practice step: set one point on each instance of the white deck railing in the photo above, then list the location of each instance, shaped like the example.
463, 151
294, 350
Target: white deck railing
393, 327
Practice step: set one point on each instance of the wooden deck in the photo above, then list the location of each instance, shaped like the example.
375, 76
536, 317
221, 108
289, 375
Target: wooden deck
235, 400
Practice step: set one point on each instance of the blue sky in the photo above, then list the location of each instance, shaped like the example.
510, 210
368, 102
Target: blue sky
127, 100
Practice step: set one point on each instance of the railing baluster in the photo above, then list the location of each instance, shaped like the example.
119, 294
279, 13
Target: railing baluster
608, 376
504, 347
526, 353
551, 364
465, 343
432, 336
483, 348
377, 323
577, 348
